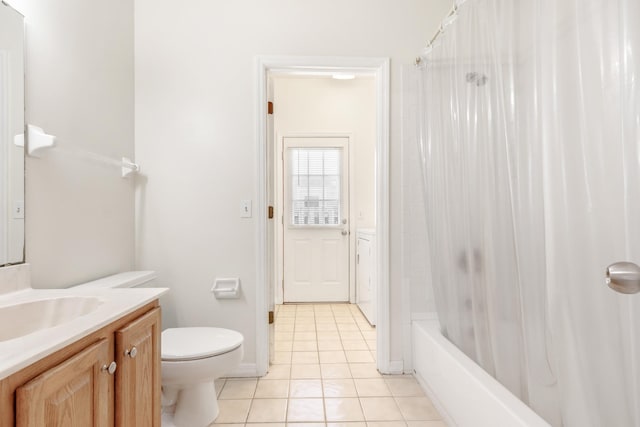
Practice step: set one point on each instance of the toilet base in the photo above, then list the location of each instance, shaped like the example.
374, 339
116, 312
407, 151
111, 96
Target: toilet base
197, 406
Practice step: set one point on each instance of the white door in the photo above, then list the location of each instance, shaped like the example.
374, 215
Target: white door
316, 212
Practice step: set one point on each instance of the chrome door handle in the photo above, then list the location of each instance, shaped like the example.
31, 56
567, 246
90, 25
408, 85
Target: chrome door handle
623, 277
345, 232
131, 353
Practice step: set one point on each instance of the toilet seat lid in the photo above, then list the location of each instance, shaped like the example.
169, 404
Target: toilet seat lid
198, 342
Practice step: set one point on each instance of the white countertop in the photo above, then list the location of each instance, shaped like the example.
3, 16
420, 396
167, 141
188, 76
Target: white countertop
21, 352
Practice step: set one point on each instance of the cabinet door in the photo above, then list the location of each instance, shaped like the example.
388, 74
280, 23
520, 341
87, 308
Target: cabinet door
138, 374
72, 394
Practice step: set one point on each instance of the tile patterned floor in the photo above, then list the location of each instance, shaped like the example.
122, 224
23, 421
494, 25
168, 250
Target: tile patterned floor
324, 374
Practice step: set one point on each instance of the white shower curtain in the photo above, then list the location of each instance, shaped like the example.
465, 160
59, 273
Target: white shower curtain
529, 131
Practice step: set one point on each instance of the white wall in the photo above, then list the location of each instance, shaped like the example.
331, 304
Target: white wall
79, 76
195, 132
305, 105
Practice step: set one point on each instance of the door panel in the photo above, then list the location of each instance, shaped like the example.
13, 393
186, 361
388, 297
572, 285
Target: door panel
316, 229
331, 264
72, 394
138, 374
301, 262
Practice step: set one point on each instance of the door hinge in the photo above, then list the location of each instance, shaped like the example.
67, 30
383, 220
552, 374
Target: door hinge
269, 107
270, 212
271, 317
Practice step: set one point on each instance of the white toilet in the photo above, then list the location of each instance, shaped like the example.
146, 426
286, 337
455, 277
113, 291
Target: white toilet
192, 358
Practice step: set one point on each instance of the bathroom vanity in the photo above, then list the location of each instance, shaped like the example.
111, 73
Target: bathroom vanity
111, 375
99, 369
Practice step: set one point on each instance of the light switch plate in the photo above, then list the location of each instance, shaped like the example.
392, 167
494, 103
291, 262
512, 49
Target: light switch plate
245, 209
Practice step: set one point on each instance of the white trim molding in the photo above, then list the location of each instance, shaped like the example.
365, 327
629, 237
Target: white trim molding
291, 65
382, 218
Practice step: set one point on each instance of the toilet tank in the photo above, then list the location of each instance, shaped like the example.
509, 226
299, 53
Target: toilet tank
128, 279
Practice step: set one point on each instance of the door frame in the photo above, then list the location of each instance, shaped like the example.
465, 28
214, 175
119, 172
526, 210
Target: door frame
264, 65
280, 228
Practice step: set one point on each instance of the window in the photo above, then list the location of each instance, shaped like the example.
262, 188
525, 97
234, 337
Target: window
315, 186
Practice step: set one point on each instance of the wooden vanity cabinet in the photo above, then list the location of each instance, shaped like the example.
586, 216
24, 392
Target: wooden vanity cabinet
73, 393
137, 400
74, 387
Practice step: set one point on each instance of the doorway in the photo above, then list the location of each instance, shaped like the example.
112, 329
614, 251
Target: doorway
378, 70
315, 219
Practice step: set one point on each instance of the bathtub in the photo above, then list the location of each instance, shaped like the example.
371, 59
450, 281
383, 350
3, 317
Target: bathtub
465, 395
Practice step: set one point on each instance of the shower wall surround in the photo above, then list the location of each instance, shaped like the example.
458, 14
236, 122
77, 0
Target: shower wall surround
529, 131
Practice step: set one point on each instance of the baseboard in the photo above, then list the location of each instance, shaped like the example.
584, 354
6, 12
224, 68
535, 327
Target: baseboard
244, 370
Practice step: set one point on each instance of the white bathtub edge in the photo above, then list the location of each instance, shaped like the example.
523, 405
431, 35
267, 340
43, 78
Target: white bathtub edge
465, 395
446, 417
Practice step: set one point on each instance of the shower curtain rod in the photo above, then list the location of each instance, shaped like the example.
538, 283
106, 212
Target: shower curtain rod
448, 20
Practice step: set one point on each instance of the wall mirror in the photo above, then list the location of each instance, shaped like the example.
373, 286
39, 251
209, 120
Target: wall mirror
12, 129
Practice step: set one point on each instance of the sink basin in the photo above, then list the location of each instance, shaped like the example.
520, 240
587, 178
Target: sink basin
18, 320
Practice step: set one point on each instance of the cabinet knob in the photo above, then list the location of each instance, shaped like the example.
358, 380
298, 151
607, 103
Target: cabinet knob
111, 368
131, 353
